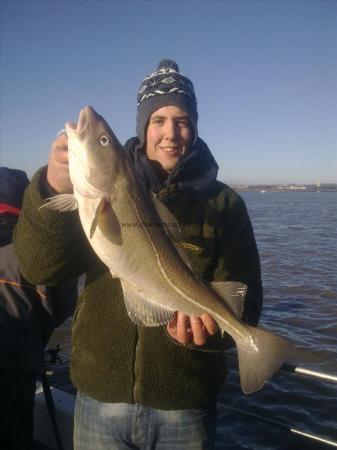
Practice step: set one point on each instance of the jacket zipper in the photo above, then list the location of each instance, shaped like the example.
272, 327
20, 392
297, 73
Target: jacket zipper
135, 384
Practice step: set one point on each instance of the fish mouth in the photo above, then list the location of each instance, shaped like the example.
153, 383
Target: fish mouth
86, 114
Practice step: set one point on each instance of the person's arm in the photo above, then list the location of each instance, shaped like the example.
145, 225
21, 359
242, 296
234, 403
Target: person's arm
50, 246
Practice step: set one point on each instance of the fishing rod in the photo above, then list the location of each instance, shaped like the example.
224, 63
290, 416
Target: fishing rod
297, 370
279, 424
51, 410
292, 368
51, 356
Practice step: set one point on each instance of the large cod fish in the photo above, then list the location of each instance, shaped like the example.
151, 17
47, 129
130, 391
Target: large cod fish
138, 239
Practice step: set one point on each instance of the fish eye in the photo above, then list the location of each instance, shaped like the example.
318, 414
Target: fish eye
104, 140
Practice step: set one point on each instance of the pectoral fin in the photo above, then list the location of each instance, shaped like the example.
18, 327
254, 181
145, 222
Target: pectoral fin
99, 211
61, 203
107, 222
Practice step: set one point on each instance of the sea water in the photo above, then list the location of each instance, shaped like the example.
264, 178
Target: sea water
296, 234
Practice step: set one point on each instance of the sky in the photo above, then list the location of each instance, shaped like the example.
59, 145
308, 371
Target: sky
264, 72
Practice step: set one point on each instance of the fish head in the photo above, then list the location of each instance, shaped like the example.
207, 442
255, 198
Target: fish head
95, 154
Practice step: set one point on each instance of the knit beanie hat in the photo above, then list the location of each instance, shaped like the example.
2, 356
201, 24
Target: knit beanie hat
13, 183
165, 87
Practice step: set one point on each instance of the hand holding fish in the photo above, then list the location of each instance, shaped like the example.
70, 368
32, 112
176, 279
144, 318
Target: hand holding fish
58, 166
191, 329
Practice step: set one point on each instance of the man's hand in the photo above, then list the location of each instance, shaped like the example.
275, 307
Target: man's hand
191, 329
58, 167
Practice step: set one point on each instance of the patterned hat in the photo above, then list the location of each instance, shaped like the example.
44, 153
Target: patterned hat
165, 87
13, 183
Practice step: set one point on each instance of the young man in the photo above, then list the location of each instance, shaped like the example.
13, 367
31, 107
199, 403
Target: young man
28, 315
144, 387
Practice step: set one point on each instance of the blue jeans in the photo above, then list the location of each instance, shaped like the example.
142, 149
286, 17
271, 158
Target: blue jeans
119, 426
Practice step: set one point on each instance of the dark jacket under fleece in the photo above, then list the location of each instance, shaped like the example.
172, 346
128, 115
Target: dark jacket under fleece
28, 313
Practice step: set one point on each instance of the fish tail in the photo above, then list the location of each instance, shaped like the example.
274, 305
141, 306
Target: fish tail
260, 355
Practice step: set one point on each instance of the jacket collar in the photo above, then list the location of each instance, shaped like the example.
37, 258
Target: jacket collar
195, 173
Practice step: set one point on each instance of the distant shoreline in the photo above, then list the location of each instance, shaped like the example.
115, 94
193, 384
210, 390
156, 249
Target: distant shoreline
326, 187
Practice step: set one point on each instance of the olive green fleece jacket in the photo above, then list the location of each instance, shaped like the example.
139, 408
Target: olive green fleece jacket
113, 360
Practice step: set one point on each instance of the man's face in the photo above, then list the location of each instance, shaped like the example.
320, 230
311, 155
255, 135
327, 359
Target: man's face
169, 136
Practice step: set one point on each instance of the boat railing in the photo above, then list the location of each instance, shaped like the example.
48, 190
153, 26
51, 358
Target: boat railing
295, 370
279, 424
292, 368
